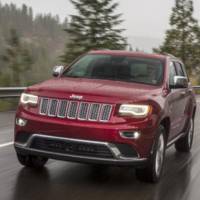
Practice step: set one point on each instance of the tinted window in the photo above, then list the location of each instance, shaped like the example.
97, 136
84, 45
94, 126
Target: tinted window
179, 69
118, 68
172, 74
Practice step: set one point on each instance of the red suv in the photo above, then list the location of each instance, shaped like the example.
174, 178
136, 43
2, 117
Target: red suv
108, 107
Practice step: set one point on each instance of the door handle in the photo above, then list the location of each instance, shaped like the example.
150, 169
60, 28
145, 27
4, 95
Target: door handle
190, 90
183, 92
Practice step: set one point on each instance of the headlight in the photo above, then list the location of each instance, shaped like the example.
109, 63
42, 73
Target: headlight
28, 99
135, 110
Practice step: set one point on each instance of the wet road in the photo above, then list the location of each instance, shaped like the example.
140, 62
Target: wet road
63, 180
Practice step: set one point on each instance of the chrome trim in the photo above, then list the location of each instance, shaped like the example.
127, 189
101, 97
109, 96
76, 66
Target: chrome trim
101, 112
69, 107
76, 97
113, 149
121, 133
41, 102
174, 140
66, 108
90, 112
50, 106
122, 160
83, 119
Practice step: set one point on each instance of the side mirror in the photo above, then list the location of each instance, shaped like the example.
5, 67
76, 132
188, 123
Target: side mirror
180, 82
57, 70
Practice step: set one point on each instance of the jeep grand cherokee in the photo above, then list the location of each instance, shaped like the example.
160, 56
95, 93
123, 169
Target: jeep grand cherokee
108, 107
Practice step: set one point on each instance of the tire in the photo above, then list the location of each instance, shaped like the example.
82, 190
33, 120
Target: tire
184, 144
32, 161
153, 170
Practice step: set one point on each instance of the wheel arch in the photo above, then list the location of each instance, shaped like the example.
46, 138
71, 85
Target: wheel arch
165, 122
194, 112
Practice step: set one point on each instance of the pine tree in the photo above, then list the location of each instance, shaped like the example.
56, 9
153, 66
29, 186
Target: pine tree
17, 58
182, 39
96, 26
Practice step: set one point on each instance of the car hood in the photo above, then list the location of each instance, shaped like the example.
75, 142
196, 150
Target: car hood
91, 89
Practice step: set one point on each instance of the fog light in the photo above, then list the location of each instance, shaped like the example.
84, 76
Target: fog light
130, 134
21, 122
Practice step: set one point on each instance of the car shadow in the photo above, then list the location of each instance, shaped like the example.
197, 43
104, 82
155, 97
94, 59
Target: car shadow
63, 180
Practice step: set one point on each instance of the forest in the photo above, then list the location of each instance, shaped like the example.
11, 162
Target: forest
29, 46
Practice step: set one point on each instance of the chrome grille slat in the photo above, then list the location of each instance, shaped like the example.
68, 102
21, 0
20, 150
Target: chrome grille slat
72, 111
106, 112
94, 112
75, 109
62, 109
44, 106
53, 107
83, 111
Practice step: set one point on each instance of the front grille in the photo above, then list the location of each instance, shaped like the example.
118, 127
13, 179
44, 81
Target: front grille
75, 110
83, 111
53, 107
94, 112
72, 148
44, 106
106, 110
62, 109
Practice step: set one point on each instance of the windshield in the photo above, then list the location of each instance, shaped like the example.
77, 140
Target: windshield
118, 68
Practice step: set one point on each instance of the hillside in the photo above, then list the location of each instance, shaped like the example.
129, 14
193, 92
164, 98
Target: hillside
42, 35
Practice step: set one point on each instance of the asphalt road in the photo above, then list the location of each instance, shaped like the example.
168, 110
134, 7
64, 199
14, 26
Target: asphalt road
69, 181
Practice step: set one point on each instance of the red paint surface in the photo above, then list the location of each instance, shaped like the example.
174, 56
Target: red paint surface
166, 103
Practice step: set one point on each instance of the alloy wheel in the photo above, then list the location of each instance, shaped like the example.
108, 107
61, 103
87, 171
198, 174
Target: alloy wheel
159, 155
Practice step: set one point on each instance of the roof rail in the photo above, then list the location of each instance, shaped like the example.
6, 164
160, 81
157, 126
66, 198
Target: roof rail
100, 49
170, 55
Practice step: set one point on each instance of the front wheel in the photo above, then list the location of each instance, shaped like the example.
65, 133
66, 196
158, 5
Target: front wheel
184, 144
152, 172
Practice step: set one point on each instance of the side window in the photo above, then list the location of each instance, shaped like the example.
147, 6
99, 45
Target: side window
172, 73
179, 69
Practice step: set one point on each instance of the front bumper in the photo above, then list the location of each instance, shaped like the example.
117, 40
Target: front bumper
62, 149
102, 132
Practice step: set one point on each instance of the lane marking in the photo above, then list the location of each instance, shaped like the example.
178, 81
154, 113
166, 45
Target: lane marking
6, 144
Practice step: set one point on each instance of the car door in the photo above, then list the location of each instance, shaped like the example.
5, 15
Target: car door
173, 103
185, 94
177, 100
